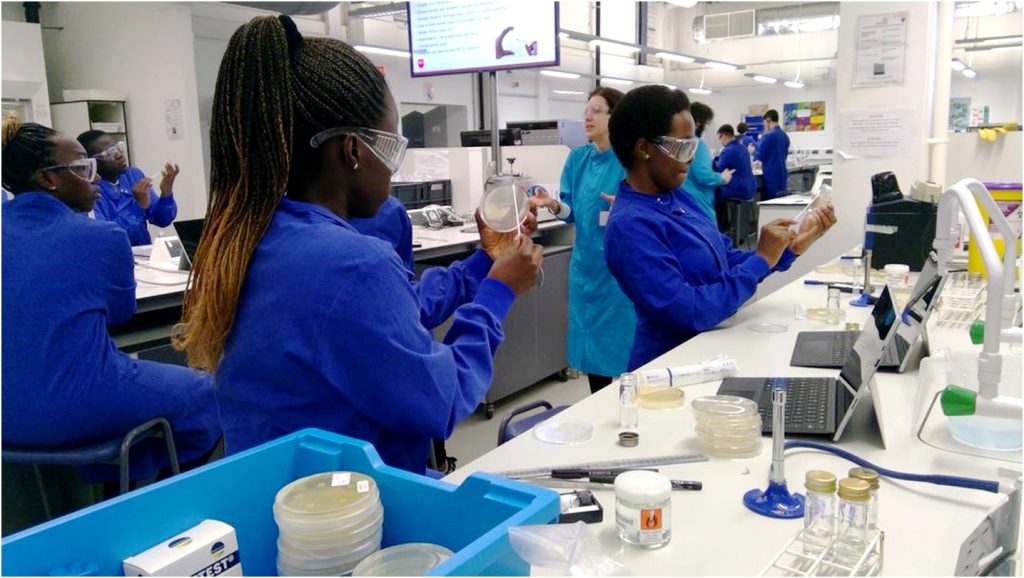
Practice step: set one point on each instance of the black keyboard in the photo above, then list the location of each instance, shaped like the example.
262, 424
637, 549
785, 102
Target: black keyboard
841, 343
806, 404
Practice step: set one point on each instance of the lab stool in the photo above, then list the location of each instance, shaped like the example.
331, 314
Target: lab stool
115, 451
509, 429
738, 220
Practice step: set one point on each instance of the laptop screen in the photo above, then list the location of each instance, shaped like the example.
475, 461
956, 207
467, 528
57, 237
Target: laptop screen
866, 354
923, 299
189, 233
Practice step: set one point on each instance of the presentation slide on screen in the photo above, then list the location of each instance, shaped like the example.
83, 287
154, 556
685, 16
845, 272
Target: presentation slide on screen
450, 37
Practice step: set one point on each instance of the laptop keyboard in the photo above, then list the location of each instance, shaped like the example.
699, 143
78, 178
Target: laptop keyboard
841, 344
806, 404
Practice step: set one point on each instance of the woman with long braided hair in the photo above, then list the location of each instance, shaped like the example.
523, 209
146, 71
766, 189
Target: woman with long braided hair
66, 278
305, 322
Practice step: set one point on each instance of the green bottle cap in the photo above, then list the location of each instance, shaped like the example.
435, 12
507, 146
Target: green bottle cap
958, 400
978, 332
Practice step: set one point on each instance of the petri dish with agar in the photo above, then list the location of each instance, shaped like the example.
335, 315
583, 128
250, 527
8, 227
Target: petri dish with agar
504, 204
660, 397
564, 432
768, 327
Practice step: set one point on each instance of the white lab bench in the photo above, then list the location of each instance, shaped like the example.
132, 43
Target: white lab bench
712, 532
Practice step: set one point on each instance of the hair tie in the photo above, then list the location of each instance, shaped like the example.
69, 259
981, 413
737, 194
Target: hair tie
291, 33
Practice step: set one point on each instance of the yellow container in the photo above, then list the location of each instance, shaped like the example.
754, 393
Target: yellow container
1008, 197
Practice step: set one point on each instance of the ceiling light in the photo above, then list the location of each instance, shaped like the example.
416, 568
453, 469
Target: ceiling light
615, 45
383, 51
720, 65
616, 81
971, 9
674, 57
794, 83
969, 72
378, 10
670, 86
700, 91
764, 79
957, 65
569, 92
560, 74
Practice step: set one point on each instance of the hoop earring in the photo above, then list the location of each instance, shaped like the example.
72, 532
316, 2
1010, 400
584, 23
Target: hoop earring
355, 167
647, 157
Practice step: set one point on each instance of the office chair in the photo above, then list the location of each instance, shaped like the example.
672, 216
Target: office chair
509, 429
114, 451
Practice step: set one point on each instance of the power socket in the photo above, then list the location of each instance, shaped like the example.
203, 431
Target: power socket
996, 538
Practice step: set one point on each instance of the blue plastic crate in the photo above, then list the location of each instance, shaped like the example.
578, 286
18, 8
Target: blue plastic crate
472, 519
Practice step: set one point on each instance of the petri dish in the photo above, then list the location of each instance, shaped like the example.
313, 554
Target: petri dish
403, 560
326, 495
501, 198
724, 406
660, 397
768, 327
564, 432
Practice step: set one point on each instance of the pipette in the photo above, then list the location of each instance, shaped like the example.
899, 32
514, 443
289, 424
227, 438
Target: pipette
776, 501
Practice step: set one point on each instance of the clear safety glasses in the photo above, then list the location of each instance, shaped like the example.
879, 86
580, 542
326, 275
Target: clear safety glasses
681, 149
386, 146
111, 153
84, 169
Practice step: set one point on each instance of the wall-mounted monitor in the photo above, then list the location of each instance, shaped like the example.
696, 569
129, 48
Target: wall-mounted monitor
448, 37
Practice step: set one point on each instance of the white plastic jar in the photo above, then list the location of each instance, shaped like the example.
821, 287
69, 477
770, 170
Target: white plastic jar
643, 508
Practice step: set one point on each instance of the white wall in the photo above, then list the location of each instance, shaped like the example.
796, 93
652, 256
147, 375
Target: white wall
145, 51
851, 177
1000, 90
999, 161
13, 11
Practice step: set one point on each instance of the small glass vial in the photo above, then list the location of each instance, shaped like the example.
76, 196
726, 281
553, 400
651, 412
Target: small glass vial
643, 508
857, 273
852, 533
629, 415
833, 313
819, 511
871, 477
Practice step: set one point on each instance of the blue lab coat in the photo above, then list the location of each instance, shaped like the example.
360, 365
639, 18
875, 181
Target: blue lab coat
772, 153
702, 180
746, 140
117, 204
391, 224
341, 345
601, 317
683, 276
742, 186
65, 383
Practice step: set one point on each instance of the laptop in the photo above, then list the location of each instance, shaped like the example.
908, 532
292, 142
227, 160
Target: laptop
189, 233
823, 405
829, 349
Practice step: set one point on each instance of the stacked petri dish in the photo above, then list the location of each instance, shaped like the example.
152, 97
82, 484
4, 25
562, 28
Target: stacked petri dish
728, 426
328, 523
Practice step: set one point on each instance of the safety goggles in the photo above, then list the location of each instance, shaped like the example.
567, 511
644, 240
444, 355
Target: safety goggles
84, 169
386, 146
119, 148
681, 149
592, 110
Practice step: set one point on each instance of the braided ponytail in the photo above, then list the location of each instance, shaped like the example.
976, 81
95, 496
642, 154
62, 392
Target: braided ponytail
26, 149
275, 90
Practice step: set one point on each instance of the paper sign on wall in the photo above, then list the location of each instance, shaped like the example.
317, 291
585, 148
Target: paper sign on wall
876, 133
174, 119
881, 50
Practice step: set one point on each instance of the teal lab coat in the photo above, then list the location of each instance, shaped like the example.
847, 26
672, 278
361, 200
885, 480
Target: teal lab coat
601, 318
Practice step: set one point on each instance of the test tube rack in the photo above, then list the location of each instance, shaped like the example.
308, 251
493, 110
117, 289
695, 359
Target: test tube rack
959, 306
793, 561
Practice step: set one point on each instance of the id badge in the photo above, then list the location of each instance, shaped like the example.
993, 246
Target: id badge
602, 218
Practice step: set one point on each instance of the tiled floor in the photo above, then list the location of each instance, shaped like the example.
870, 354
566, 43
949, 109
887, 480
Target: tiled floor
478, 435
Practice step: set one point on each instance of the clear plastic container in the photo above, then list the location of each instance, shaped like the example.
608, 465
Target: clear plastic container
504, 204
327, 495
344, 556
728, 426
987, 432
334, 539
564, 432
629, 416
403, 560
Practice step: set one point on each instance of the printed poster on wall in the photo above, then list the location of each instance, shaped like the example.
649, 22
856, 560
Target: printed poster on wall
803, 116
881, 50
959, 113
757, 109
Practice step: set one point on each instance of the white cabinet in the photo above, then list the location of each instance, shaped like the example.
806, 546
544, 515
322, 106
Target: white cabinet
74, 118
24, 72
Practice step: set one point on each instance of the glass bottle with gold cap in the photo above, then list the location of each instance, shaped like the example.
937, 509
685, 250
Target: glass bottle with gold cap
819, 510
852, 535
871, 477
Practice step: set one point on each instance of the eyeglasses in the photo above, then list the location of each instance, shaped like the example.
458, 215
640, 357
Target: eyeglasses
386, 146
84, 169
592, 110
119, 148
681, 149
